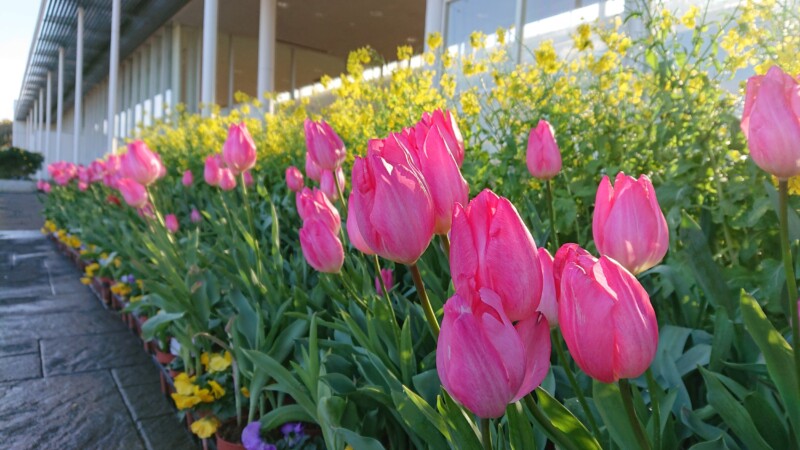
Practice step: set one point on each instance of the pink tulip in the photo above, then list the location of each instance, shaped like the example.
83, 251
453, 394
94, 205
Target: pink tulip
607, 320
356, 238
46, 188
567, 253
294, 179
141, 164
490, 247
82, 185
97, 170
388, 279
485, 361
213, 170
313, 171
227, 180
771, 122
134, 193
449, 128
195, 216
171, 222
313, 203
248, 178
188, 178
543, 156
321, 246
549, 303
239, 151
392, 204
435, 160
325, 147
628, 224
327, 185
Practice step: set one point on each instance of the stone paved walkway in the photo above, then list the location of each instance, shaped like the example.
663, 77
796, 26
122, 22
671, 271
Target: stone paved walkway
72, 376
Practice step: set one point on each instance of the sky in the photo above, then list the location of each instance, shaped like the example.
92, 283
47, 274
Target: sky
17, 22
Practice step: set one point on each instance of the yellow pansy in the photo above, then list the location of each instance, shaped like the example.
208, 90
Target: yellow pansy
185, 401
216, 390
86, 281
204, 394
121, 289
205, 427
184, 384
245, 392
218, 362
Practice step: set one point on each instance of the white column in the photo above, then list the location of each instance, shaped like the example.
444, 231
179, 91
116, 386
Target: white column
267, 15
153, 76
48, 118
434, 18
144, 62
134, 92
519, 30
113, 70
164, 75
175, 83
230, 71
59, 102
36, 126
208, 77
41, 121
76, 138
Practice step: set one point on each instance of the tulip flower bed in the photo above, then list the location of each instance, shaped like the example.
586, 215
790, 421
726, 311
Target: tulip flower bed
492, 278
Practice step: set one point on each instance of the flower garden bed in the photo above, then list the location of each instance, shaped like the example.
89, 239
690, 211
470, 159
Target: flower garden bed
486, 279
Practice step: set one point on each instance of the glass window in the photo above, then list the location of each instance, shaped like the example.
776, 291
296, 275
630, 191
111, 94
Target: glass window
466, 16
541, 9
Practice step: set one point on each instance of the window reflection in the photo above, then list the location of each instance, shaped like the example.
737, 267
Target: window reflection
466, 16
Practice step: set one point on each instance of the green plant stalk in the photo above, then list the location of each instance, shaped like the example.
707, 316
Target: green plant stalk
386, 294
652, 386
424, 300
788, 267
625, 391
551, 209
574, 382
486, 433
247, 208
445, 244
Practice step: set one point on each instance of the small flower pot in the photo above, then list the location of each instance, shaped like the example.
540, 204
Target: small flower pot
163, 358
229, 436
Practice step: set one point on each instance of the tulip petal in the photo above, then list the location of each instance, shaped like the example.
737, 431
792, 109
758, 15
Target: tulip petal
535, 335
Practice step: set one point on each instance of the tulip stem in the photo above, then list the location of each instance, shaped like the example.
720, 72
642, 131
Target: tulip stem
385, 293
653, 387
788, 267
626, 392
445, 244
552, 211
424, 300
486, 433
562, 356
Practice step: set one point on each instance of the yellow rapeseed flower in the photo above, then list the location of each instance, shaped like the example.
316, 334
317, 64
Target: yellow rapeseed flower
689, 20
435, 40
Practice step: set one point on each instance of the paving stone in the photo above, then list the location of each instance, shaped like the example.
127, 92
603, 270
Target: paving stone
136, 375
20, 367
49, 304
21, 326
83, 411
92, 352
20, 211
166, 433
18, 347
9, 292
146, 401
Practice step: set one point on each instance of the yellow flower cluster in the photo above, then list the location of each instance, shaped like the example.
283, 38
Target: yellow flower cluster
49, 227
121, 289
188, 394
216, 362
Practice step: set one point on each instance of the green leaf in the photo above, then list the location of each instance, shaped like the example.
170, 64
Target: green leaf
284, 414
519, 428
609, 403
716, 444
357, 441
707, 273
421, 417
158, 322
572, 432
777, 354
732, 412
769, 425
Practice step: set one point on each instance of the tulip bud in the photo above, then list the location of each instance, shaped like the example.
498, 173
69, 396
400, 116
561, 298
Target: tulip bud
324, 145
543, 157
485, 361
313, 170
567, 253
213, 170
227, 180
195, 216
248, 178
313, 203
239, 151
436, 162
171, 222
388, 279
549, 303
294, 179
607, 320
133, 192
321, 246
46, 188
188, 178
141, 164
326, 183
446, 122
628, 224
356, 238
491, 247
392, 204
82, 185
771, 122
